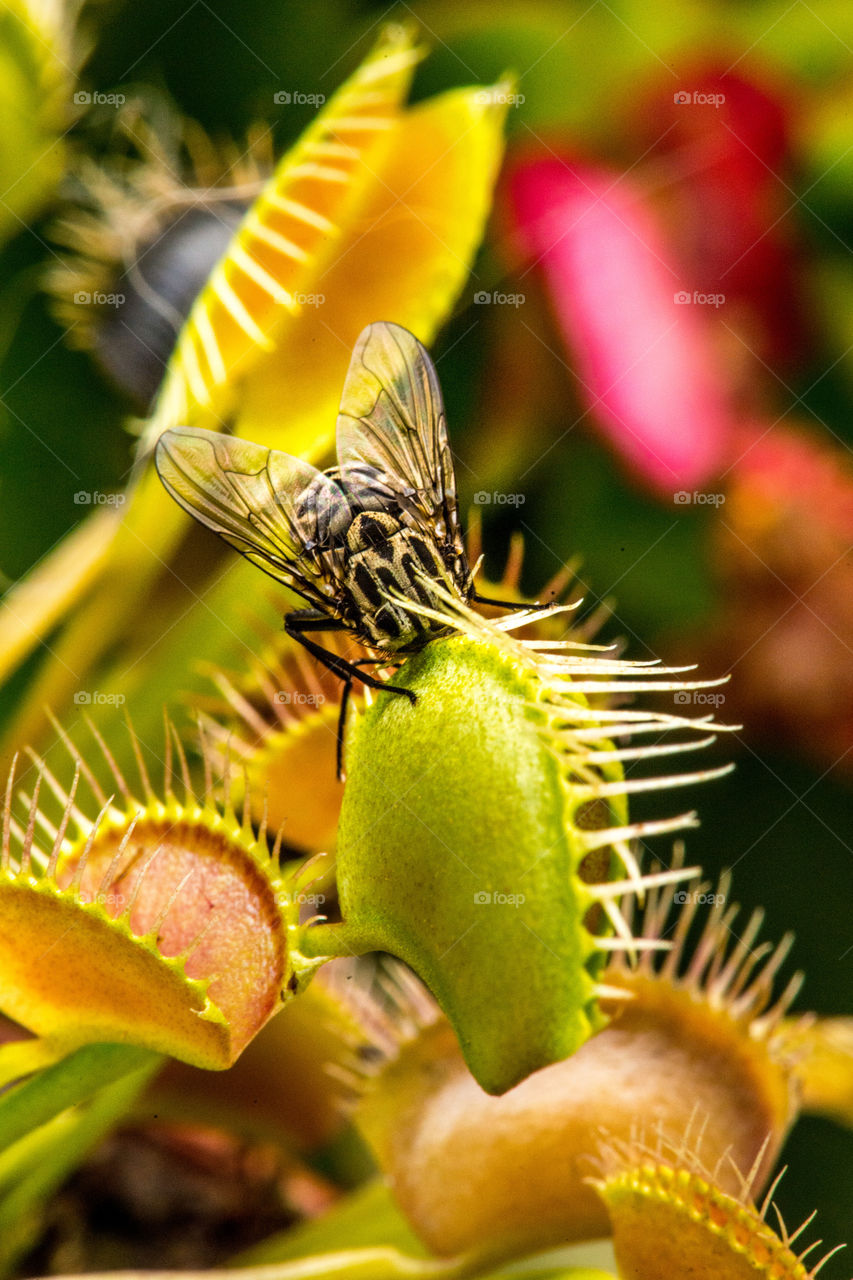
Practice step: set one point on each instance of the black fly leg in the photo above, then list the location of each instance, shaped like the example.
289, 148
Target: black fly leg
295, 626
360, 662
506, 604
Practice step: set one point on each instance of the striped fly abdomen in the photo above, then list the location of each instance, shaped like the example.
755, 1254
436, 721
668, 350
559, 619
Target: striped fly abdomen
388, 564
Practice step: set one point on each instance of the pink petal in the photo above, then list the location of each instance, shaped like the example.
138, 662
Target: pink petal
645, 362
726, 167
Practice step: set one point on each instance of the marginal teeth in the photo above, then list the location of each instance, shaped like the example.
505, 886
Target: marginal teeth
598, 839
603, 991
650, 880
633, 944
644, 724
643, 753
634, 786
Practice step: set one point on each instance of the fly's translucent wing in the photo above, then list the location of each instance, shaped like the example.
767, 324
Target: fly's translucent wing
259, 500
392, 419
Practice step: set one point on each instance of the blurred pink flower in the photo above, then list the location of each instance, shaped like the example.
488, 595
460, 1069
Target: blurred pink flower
642, 350
721, 154
782, 556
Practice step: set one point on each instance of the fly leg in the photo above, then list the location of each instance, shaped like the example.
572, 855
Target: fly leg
506, 604
302, 620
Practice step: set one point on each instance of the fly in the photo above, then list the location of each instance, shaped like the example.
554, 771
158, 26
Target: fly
362, 542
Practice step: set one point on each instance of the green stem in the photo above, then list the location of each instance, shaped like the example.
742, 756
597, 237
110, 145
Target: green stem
331, 941
371, 1264
349, 1264
19, 1058
73, 1080
39, 1163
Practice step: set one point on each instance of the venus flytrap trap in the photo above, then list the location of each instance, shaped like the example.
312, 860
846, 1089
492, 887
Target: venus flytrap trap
822, 1049
484, 836
149, 222
533, 1027
276, 719
145, 919
696, 1052
276, 722
670, 1217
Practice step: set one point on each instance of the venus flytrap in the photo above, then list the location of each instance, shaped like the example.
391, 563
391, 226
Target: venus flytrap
276, 722
140, 919
696, 1052
669, 1217
484, 837
822, 1050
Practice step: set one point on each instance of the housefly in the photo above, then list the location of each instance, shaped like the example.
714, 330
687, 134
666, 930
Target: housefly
363, 542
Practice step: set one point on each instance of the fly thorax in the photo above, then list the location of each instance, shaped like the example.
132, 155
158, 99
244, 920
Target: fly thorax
332, 501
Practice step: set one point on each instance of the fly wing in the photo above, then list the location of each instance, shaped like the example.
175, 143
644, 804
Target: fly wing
392, 419
250, 496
